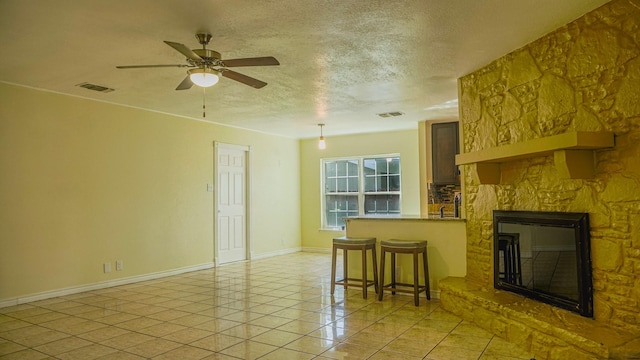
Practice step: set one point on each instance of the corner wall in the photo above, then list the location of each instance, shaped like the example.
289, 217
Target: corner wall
84, 182
584, 76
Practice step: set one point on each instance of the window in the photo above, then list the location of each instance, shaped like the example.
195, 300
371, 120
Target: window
359, 186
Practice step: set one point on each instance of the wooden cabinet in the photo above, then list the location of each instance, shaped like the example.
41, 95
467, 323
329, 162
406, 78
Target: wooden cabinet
444, 146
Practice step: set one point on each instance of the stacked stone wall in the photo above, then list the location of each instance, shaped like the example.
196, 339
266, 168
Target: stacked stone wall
584, 76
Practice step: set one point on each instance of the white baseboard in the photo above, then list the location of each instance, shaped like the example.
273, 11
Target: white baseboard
316, 250
274, 253
100, 285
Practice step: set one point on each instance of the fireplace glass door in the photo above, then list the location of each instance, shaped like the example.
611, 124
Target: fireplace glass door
544, 256
539, 258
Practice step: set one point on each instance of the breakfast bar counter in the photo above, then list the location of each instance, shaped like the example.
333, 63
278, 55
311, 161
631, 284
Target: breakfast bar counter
446, 242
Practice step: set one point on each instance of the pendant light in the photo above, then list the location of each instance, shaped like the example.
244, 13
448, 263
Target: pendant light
321, 143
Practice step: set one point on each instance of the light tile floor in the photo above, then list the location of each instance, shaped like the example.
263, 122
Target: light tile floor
275, 308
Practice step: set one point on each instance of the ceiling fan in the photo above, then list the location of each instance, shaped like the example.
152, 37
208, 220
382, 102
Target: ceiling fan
206, 65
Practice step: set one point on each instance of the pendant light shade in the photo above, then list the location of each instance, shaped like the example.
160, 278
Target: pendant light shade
203, 77
321, 143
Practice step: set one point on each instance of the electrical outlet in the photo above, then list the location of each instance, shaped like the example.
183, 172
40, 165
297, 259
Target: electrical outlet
107, 267
118, 265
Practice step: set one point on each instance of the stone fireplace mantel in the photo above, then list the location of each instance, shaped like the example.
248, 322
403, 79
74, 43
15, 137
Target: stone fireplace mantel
572, 152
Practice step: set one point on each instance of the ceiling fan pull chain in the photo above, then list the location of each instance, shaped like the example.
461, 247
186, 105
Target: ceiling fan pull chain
204, 113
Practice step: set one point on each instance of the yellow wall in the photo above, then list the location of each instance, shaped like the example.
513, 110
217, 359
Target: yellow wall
84, 182
403, 142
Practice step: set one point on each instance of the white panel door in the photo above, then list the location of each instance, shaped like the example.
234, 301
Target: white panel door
231, 204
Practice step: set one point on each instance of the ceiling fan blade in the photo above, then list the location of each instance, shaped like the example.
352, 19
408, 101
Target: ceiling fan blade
247, 80
184, 50
256, 61
149, 66
186, 84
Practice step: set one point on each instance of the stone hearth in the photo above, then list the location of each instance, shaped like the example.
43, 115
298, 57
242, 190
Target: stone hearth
544, 330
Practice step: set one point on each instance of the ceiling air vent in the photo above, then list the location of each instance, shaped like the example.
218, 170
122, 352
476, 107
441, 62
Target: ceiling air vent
95, 87
390, 114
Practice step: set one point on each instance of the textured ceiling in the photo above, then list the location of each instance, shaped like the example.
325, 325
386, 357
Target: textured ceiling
342, 62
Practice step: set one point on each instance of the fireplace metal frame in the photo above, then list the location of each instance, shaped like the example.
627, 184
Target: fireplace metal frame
579, 222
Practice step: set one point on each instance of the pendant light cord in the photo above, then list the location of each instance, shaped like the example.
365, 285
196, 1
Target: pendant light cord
204, 110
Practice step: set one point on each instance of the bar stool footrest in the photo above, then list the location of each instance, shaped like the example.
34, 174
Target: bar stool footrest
354, 282
404, 288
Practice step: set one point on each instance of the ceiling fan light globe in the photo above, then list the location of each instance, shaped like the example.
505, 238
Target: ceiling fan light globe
203, 77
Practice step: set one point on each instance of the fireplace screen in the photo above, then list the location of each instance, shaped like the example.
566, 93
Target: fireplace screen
544, 256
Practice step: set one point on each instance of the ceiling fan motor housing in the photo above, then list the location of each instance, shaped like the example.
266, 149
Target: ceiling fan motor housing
209, 58
207, 54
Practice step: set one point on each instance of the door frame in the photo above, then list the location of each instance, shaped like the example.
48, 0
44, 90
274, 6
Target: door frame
247, 206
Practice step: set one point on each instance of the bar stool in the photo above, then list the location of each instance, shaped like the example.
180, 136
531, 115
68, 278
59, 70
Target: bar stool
404, 247
361, 244
509, 247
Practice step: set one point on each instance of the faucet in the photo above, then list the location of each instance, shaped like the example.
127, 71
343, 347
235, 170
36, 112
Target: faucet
442, 211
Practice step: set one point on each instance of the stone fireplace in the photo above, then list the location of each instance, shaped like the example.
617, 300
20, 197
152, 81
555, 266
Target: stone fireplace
555, 126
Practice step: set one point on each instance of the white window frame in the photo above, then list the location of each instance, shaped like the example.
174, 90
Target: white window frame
361, 186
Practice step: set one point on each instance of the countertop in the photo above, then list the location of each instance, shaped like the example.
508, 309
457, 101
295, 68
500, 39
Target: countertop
404, 217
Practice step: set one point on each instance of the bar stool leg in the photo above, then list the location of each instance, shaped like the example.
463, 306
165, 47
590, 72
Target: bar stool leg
393, 273
345, 267
364, 272
416, 277
508, 263
382, 257
375, 268
425, 264
518, 263
333, 269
